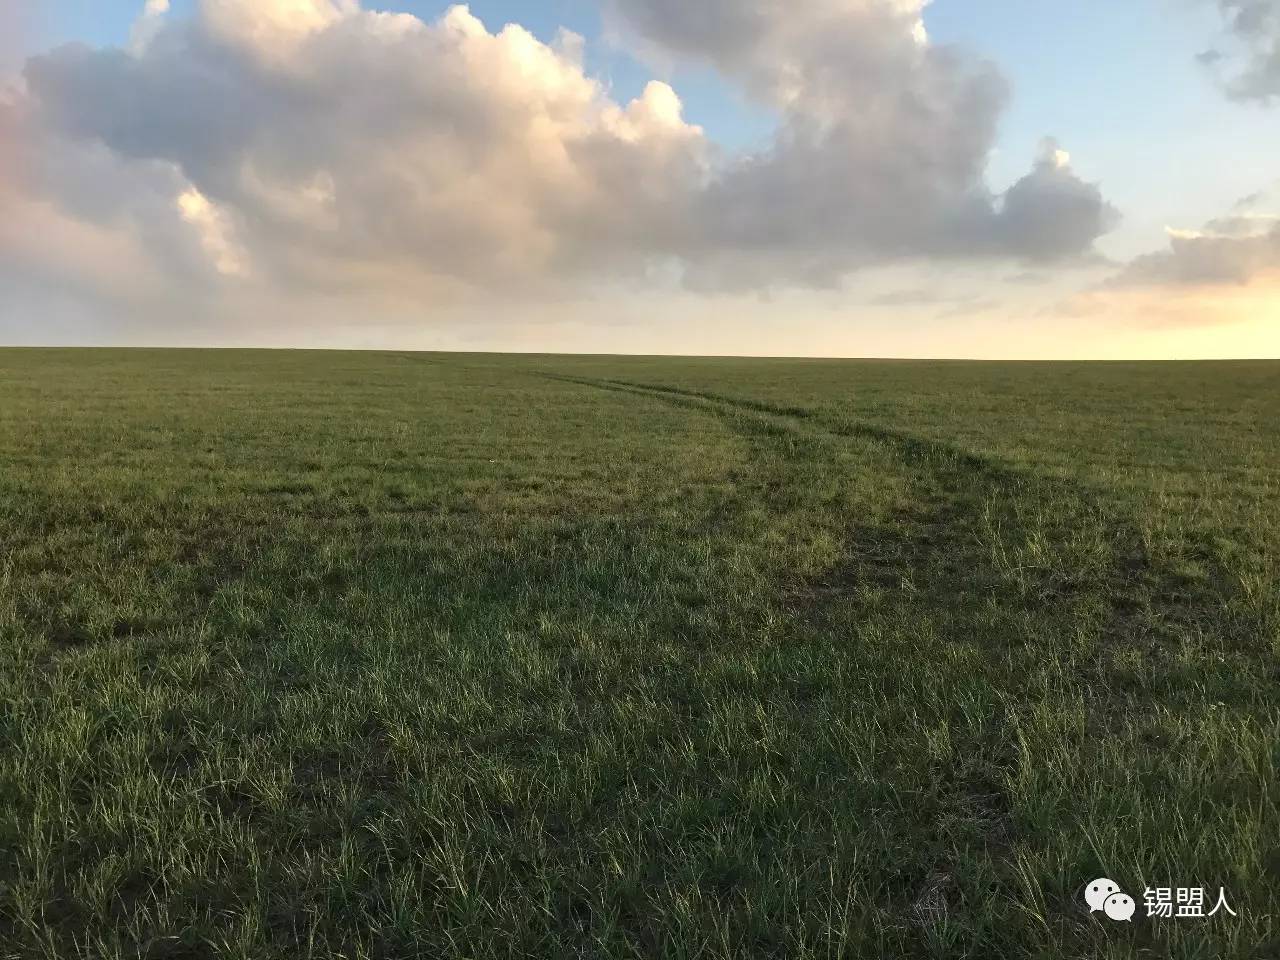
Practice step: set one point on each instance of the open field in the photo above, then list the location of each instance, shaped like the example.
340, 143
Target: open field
397, 655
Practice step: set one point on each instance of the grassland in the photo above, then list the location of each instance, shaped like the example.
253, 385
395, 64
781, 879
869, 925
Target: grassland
391, 656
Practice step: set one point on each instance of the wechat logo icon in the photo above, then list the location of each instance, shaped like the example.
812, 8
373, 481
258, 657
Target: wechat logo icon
1106, 895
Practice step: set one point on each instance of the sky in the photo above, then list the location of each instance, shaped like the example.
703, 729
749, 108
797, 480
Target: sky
963, 178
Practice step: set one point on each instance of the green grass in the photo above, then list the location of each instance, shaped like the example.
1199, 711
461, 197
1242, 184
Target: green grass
383, 656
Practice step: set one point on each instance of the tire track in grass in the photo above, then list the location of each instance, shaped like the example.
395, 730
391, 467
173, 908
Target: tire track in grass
1140, 587
881, 559
993, 500
1059, 575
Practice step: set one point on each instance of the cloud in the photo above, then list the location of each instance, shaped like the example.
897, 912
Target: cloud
1239, 249
1251, 64
1051, 213
882, 143
294, 146
217, 235
1242, 248
1233, 251
353, 148
273, 30
148, 24
75, 217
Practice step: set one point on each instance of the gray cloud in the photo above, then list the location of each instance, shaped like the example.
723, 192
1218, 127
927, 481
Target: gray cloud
1244, 245
1206, 259
882, 146
317, 145
1232, 250
1251, 62
1051, 213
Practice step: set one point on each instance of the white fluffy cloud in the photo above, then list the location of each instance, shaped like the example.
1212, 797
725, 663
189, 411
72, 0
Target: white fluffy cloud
345, 147
317, 145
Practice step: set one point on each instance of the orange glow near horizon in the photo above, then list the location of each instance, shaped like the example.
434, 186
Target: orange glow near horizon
1174, 323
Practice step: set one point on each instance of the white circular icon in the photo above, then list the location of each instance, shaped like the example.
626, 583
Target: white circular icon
1119, 906
1096, 893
